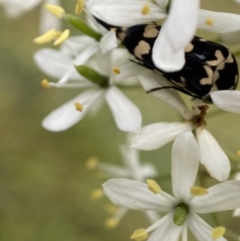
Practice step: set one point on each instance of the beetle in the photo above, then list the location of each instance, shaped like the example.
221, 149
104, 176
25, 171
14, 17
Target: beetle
209, 66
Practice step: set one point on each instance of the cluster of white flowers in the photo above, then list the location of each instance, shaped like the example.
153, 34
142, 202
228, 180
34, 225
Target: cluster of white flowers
96, 62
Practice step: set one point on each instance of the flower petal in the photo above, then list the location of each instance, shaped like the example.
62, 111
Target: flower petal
125, 12
167, 230
185, 159
200, 229
171, 97
108, 42
212, 155
218, 22
134, 195
221, 197
126, 114
66, 115
156, 135
228, 100
236, 212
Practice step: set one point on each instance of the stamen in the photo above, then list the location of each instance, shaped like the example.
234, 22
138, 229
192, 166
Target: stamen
116, 70
238, 153
146, 9
139, 234
218, 232
209, 21
46, 37
198, 191
199, 120
56, 10
91, 162
79, 106
79, 7
153, 186
111, 209
45, 84
97, 194
63, 36
111, 223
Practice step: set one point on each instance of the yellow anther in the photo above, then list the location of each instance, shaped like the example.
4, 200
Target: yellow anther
209, 21
146, 9
111, 223
238, 153
153, 186
63, 36
116, 70
111, 209
198, 191
91, 162
218, 232
46, 37
56, 10
45, 84
97, 194
79, 6
139, 234
78, 106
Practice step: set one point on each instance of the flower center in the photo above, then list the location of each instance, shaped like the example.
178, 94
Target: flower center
180, 214
199, 120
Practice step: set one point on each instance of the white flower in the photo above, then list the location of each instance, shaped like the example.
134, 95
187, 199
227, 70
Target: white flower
181, 208
114, 66
156, 135
132, 168
15, 8
177, 31
236, 212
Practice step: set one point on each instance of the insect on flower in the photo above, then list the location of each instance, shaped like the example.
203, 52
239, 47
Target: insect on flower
209, 66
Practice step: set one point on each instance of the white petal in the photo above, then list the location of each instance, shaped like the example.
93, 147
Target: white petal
230, 38
221, 197
185, 159
111, 170
134, 195
108, 42
200, 229
219, 22
66, 115
53, 62
167, 230
212, 155
228, 100
164, 56
156, 135
152, 216
124, 12
48, 20
236, 212
126, 114
182, 13
171, 97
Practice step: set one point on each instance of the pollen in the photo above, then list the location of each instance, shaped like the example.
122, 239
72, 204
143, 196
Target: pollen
45, 84
56, 10
79, 7
46, 37
111, 223
97, 194
116, 70
198, 191
146, 9
218, 232
91, 162
78, 106
238, 153
153, 186
139, 234
209, 21
63, 36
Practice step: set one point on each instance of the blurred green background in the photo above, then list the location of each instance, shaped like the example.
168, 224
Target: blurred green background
44, 186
